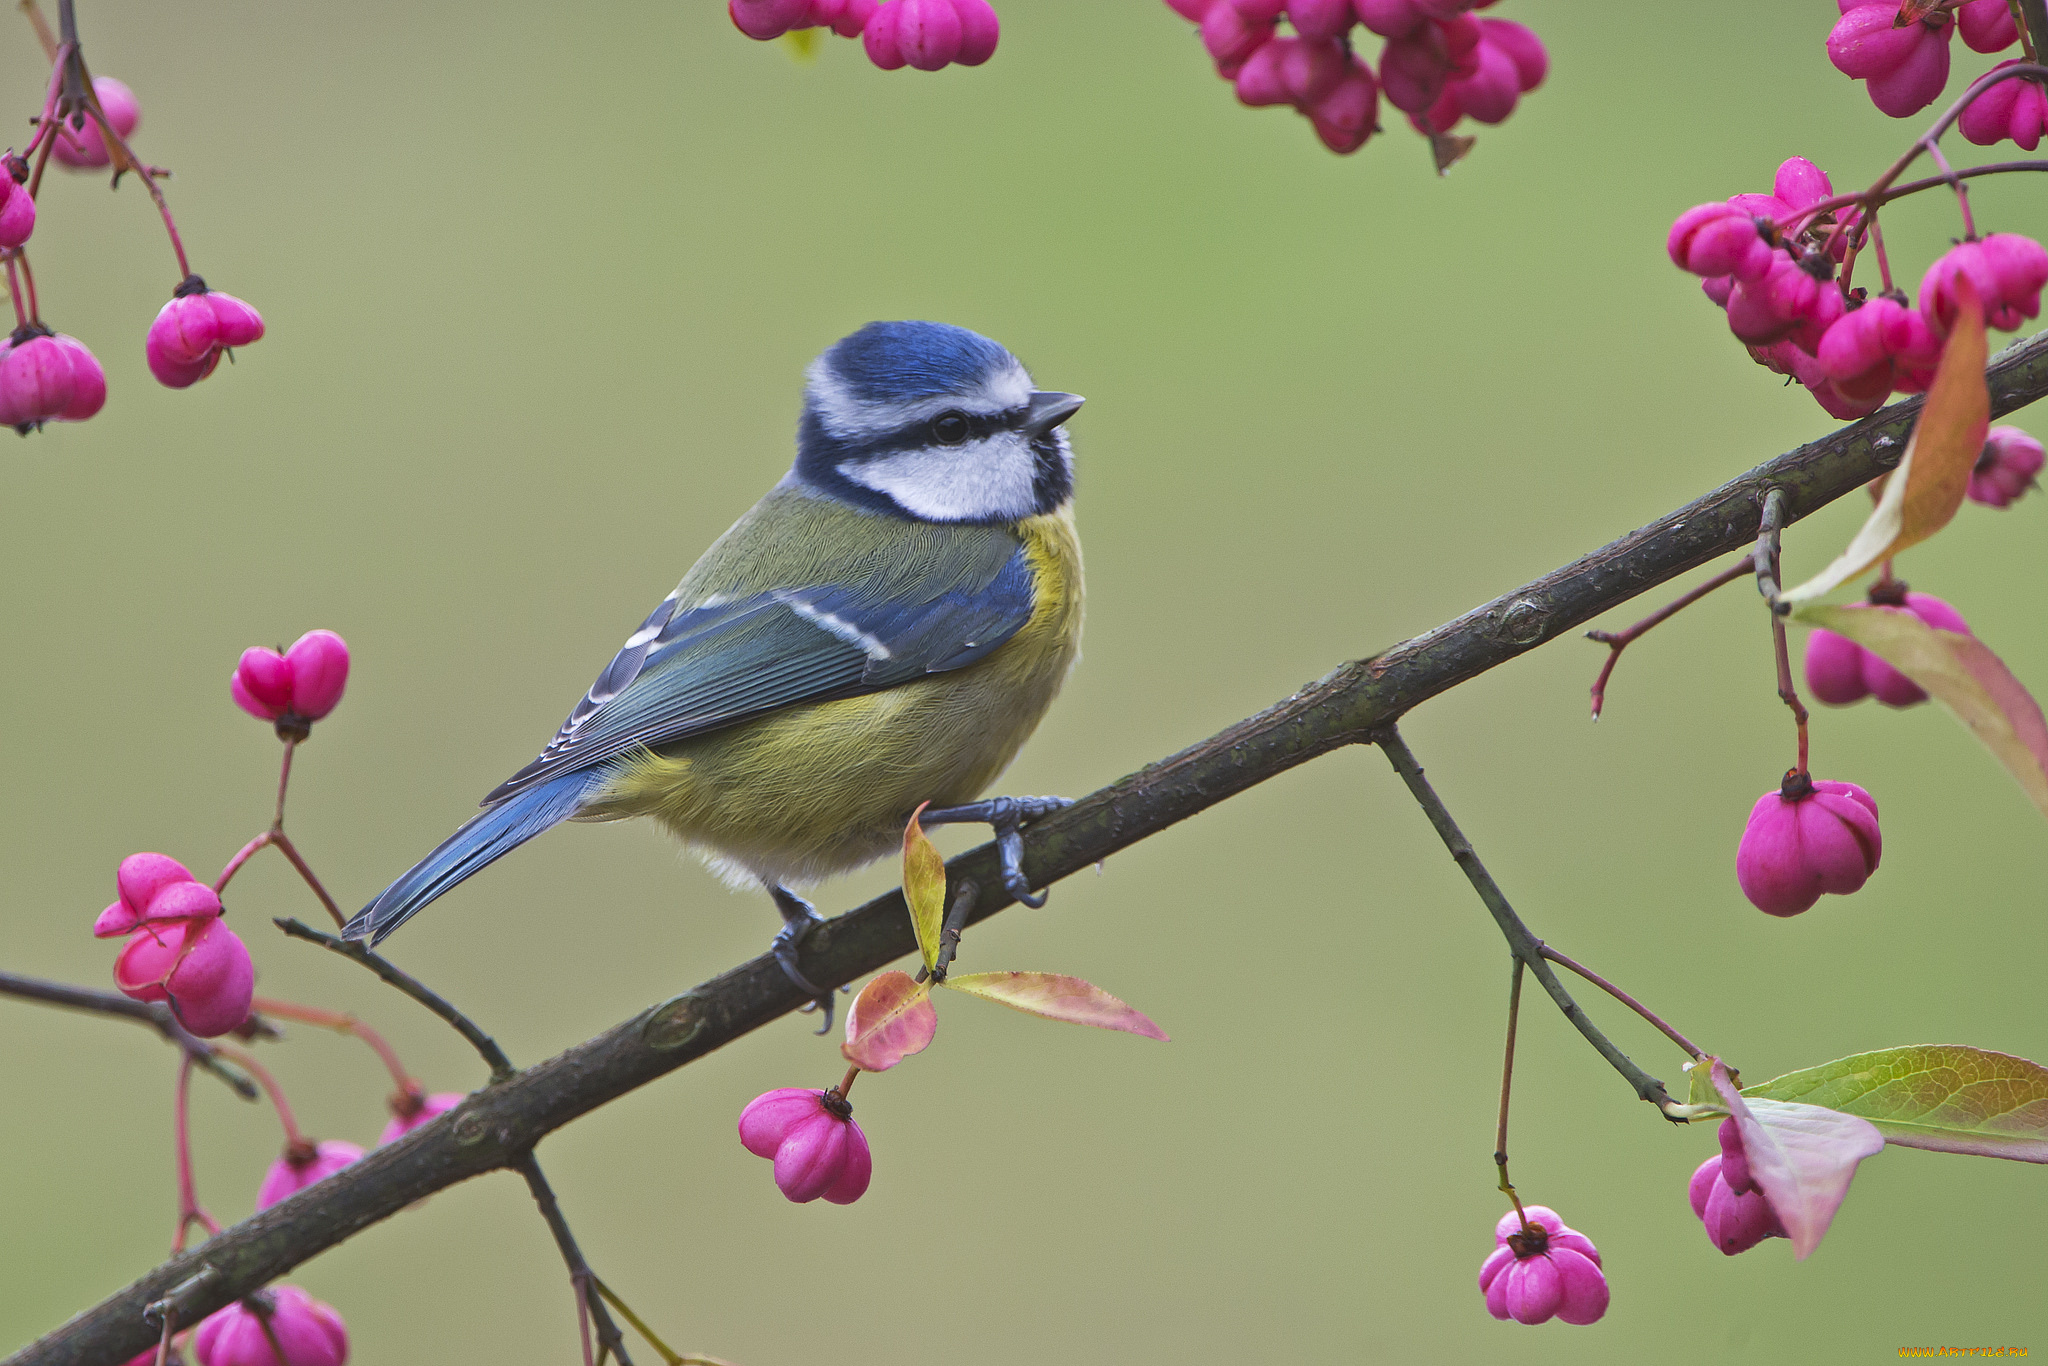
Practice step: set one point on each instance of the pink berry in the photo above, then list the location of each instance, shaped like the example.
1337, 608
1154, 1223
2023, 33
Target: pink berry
979, 31
85, 148
1719, 239
301, 685
853, 18
2016, 109
1259, 11
194, 329
1882, 345
1986, 25
879, 37
1834, 669
1799, 184
928, 33
1231, 39
1522, 47
48, 377
765, 19
2007, 468
1259, 83
1806, 838
430, 1109
1346, 116
199, 966
817, 1148
307, 1332
1905, 67
1490, 93
1546, 1270
1415, 67
1736, 1220
1321, 19
303, 1164
17, 213
1310, 69
2007, 271
154, 887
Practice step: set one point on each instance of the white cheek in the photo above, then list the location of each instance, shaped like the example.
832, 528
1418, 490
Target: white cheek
993, 477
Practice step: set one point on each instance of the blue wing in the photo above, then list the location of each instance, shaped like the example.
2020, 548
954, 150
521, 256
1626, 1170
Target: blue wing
685, 673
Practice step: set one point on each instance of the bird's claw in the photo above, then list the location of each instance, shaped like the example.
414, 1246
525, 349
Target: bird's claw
1007, 816
798, 920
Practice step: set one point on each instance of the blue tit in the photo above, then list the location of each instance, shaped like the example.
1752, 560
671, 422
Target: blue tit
885, 628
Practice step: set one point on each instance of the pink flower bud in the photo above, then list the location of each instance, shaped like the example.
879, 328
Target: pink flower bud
308, 1332
85, 148
1806, 838
1522, 47
1834, 669
17, 213
1543, 1271
1230, 39
301, 685
1321, 19
1736, 1220
2016, 109
1259, 83
193, 330
1906, 67
765, 19
2007, 271
430, 1109
1987, 26
980, 30
301, 1165
1718, 239
2007, 467
48, 377
1346, 116
137, 882
879, 37
928, 33
817, 1148
1800, 184
199, 966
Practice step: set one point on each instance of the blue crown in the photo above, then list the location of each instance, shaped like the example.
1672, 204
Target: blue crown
899, 362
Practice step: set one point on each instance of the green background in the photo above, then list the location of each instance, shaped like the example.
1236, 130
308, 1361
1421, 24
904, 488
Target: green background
540, 282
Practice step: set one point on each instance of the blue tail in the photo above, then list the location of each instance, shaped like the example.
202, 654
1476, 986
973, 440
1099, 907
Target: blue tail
480, 842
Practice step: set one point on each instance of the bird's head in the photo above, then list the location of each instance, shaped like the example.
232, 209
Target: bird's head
934, 422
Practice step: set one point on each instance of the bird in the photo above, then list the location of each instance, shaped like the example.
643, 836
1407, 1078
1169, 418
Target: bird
883, 629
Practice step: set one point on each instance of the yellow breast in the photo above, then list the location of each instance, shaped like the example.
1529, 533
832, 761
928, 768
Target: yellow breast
818, 789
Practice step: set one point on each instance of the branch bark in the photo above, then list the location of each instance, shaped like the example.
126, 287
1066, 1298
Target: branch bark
499, 1125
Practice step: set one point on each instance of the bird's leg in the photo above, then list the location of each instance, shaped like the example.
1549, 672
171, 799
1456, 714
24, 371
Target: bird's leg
799, 918
1007, 816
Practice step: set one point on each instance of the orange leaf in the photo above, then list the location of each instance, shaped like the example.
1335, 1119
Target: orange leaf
891, 1019
1056, 997
1924, 492
924, 887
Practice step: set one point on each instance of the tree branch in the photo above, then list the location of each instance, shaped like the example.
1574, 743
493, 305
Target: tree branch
155, 1015
497, 1126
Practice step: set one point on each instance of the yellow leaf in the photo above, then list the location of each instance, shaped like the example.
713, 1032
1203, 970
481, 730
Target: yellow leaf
1927, 487
924, 888
1962, 674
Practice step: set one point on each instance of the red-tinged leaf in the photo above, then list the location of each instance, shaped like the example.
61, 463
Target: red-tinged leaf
1947, 1098
924, 887
1923, 493
891, 1019
1056, 997
1962, 674
1802, 1155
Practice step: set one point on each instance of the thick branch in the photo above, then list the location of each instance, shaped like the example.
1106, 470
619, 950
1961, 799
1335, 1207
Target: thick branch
497, 1126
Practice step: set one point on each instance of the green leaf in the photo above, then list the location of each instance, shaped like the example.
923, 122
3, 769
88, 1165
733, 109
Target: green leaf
1923, 493
1056, 997
1962, 674
891, 1019
1943, 1097
924, 888
1700, 1084
1803, 1156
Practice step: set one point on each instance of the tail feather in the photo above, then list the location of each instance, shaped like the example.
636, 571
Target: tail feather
481, 841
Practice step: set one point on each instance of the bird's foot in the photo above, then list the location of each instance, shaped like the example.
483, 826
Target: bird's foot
799, 918
1007, 816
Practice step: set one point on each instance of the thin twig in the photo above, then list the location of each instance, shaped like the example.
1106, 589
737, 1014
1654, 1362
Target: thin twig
486, 1047
1507, 1082
152, 1013
1617, 641
581, 1278
1526, 946
669, 1355
1767, 583
1618, 994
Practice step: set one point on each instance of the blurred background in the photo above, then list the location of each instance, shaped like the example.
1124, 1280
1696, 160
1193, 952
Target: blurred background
541, 281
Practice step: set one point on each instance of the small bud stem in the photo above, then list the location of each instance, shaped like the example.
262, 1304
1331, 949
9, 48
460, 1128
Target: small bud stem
1765, 556
248, 1064
190, 1211
34, 13
1692, 1049
14, 289
1617, 641
28, 281
284, 780
290, 851
1884, 264
1948, 174
340, 1024
1507, 1081
846, 1082
242, 856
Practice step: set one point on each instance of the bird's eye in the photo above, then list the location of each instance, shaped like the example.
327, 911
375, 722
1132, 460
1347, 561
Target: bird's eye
950, 428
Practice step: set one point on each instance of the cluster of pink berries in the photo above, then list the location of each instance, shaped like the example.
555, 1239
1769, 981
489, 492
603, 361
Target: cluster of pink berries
46, 376
1906, 63
1440, 63
922, 34
1770, 261
1728, 1200
2009, 465
1542, 1269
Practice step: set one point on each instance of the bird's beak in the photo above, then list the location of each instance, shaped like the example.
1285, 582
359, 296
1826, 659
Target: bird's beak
1048, 410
